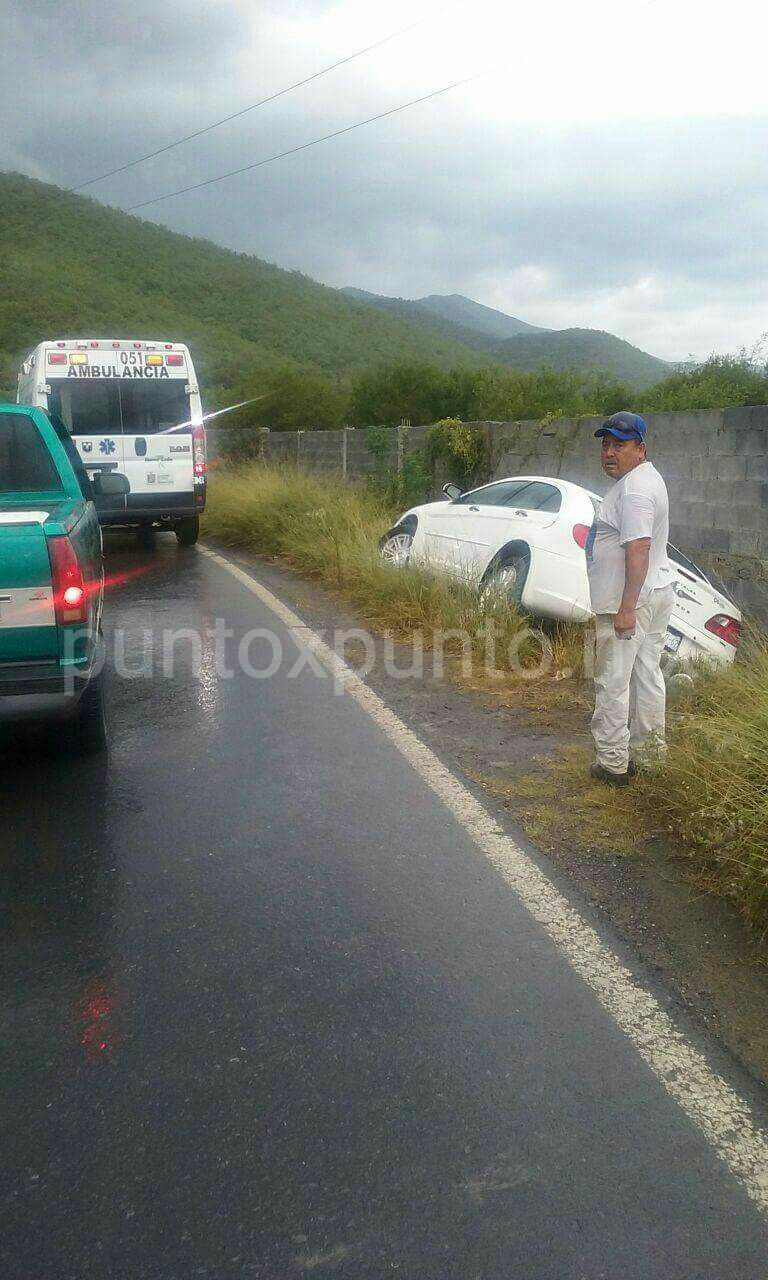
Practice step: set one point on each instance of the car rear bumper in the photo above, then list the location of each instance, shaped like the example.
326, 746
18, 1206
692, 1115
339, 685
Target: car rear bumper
39, 691
693, 647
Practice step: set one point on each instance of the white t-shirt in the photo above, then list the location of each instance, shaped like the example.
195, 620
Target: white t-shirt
637, 506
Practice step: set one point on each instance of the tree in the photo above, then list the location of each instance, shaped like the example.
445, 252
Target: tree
419, 392
721, 382
287, 399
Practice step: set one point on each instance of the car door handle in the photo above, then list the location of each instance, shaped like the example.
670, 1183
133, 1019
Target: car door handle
473, 508
522, 513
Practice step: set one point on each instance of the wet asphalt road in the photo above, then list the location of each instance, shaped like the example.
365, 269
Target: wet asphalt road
266, 1012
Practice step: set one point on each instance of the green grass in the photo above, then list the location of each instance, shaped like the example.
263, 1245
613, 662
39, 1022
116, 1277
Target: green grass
710, 796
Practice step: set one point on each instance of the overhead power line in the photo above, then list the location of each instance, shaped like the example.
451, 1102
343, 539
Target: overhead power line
337, 133
254, 106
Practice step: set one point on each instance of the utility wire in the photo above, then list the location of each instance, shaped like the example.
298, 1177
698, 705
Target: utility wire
338, 133
258, 164
254, 106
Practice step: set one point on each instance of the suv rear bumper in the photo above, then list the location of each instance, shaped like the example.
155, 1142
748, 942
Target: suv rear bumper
137, 515
38, 691
156, 506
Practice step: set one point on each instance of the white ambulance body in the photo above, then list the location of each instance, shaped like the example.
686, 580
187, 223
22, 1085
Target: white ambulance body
131, 406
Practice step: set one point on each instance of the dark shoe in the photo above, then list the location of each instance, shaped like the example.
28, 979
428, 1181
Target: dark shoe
631, 769
614, 779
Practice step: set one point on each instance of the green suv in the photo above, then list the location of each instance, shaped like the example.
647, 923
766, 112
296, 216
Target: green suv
51, 577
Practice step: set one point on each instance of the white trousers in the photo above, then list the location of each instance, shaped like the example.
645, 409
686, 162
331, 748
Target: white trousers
630, 694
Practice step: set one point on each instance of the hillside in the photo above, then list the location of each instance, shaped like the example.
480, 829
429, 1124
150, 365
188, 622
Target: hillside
71, 266
583, 349
473, 315
452, 315
523, 346
428, 321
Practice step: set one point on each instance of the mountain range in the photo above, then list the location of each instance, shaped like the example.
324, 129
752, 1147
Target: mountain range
512, 341
70, 267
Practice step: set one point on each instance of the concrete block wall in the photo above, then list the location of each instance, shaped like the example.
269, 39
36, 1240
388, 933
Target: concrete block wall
715, 463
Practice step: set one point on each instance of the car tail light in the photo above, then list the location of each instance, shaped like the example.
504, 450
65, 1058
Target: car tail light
725, 628
175, 360
198, 453
153, 360
78, 357
70, 594
581, 533
57, 357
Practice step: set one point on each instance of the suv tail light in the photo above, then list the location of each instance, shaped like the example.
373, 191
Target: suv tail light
725, 628
581, 534
70, 594
198, 454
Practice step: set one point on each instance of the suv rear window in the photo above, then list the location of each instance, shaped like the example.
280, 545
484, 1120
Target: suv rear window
26, 466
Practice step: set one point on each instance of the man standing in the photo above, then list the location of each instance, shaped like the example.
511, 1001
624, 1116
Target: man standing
630, 583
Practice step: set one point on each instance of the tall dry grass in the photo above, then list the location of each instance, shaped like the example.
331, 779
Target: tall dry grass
330, 530
713, 783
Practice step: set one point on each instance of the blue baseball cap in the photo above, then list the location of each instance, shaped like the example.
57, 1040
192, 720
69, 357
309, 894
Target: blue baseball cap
624, 426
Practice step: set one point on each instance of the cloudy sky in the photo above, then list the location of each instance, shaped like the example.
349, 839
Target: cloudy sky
610, 170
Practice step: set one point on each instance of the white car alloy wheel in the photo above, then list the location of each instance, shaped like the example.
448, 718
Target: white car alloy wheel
396, 549
504, 585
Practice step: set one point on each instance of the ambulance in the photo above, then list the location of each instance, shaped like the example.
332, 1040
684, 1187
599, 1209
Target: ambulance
132, 406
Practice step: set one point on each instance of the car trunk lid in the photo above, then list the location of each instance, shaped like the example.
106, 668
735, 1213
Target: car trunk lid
697, 600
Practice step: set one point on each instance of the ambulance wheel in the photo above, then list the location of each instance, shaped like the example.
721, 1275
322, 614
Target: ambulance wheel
188, 531
145, 534
90, 727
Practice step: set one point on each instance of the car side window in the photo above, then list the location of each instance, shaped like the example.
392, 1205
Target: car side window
536, 496
26, 465
70, 449
498, 494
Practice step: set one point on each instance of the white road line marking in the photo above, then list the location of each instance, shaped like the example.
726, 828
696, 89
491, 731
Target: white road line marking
715, 1108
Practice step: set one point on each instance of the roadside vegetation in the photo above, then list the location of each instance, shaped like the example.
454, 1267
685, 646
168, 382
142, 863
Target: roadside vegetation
419, 392
708, 800
330, 531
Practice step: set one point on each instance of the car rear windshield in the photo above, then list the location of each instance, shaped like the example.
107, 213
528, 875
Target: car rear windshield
684, 562
26, 466
100, 406
527, 495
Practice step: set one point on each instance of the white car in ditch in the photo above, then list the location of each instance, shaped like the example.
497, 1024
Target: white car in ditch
525, 537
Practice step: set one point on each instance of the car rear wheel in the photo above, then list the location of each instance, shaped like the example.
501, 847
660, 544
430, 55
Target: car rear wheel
188, 531
395, 547
504, 582
90, 727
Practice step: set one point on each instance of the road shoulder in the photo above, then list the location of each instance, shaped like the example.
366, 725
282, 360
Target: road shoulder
697, 944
